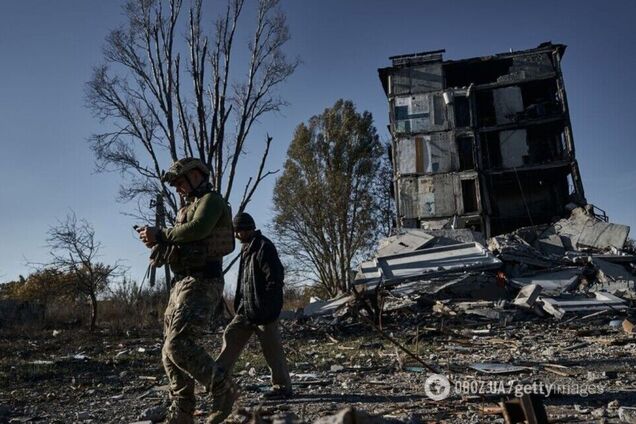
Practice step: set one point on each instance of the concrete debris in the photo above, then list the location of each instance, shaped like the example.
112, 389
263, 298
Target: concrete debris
443, 237
459, 257
496, 368
614, 278
408, 240
516, 252
442, 309
482, 285
351, 415
609, 272
616, 323
573, 266
551, 283
558, 307
524, 409
154, 414
551, 244
584, 231
485, 309
326, 307
627, 414
528, 296
407, 266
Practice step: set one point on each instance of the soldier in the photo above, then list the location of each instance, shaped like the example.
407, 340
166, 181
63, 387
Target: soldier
258, 301
194, 248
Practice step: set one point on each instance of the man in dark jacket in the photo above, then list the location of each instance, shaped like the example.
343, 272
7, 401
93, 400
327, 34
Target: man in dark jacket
258, 301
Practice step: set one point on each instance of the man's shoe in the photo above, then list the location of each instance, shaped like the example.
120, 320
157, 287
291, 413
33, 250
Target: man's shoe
223, 398
177, 415
277, 393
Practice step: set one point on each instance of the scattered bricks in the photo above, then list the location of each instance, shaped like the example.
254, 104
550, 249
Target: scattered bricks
528, 296
627, 414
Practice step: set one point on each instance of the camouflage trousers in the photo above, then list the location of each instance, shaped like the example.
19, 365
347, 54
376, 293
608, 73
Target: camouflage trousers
193, 302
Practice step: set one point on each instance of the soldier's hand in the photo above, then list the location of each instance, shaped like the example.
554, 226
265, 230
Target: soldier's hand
148, 235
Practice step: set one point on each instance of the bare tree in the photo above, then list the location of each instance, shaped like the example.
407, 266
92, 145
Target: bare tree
74, 252
166, 97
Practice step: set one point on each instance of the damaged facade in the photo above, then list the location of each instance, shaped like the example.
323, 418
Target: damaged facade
483, 143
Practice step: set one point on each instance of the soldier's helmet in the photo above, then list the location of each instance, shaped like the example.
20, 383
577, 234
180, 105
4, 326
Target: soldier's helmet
182, 167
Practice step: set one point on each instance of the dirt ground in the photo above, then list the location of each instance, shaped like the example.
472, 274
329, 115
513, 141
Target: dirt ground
74, 376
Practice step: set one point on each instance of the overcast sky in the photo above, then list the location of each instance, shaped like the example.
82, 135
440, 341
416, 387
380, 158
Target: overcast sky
48, 49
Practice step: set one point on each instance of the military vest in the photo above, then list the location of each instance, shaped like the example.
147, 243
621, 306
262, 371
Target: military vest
196, 255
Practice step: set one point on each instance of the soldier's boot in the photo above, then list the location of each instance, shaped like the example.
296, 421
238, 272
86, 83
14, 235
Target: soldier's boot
177, 415
224, 394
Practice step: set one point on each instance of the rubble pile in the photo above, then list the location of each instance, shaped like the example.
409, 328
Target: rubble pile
573, 266
545, 310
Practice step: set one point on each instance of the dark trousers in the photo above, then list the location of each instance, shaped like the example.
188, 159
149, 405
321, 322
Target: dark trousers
236, 336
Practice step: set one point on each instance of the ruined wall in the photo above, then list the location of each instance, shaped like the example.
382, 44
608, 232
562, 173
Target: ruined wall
463, 129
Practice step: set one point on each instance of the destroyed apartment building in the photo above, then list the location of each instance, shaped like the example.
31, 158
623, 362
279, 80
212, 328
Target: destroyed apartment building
482, 143
490, 201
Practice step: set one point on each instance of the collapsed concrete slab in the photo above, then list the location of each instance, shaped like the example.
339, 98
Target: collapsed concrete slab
609, 272
583, 230
552, 283
481, 285
408, 240
515, 250
558, 307
326, 307
417, 267
407, 266
528, 296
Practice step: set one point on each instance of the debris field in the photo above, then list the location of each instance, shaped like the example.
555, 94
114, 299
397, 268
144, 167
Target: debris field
531, 326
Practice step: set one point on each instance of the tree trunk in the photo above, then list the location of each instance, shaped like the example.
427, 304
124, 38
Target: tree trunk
93, 311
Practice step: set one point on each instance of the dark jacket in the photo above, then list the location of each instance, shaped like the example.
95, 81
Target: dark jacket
259, 289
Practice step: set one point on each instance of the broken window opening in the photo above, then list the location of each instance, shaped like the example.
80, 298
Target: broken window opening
539, 99
534, 145
469, 196
480, 72
486, 115
439, 110
527, 198
491, 150
465, 146
461, 106
419, 155
571, 188
545, 144
474, 224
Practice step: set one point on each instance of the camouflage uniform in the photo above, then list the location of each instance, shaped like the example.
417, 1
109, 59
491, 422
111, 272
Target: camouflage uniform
194, 247
193, 302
